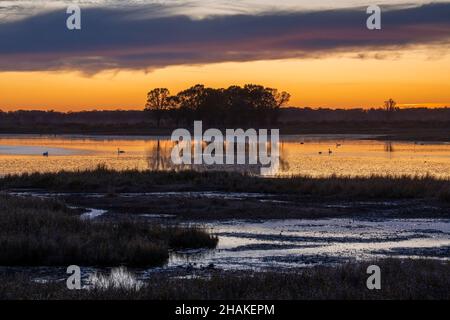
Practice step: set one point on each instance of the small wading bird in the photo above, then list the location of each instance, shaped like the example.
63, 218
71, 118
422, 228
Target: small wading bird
120, 151
45, 154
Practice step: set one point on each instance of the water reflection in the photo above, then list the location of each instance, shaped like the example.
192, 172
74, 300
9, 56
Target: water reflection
299, 155
159, 158
299, 243
389, 146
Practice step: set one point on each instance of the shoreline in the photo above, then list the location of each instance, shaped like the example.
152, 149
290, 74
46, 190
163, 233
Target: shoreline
428, 132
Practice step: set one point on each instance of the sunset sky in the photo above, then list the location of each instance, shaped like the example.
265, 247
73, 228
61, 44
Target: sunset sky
319, 51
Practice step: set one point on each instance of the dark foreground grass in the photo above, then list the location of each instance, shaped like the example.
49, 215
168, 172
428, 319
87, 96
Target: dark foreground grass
44, 232
104, 180
407, 279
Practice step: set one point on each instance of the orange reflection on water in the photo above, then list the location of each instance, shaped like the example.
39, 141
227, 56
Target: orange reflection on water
300, 155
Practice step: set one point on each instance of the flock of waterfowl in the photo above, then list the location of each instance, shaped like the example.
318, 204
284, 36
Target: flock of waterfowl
330, 152
46, 154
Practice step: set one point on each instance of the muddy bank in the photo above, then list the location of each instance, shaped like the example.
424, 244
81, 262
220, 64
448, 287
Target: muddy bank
439, 252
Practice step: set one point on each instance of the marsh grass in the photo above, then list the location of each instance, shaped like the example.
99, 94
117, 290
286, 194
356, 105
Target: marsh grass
44, 232
401, 279
118, 280
112, 182
191, 237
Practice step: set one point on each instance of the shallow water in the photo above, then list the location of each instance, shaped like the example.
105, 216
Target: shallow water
286, 244
292, 243
301, 243
352, 155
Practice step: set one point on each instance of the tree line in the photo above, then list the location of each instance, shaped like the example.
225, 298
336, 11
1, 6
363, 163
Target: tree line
250, 105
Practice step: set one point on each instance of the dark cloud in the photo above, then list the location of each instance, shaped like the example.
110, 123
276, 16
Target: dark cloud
129, 38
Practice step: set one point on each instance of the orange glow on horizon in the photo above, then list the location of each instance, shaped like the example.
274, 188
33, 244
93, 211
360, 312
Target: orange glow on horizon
334, 82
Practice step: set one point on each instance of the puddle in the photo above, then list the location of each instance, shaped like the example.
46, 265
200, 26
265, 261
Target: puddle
92, 214
157, 216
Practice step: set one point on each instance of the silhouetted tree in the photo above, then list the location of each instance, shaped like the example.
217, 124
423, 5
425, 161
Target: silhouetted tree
239, 107
174, 109
248, 105
189, 101
281, 99
390, 105
158, 102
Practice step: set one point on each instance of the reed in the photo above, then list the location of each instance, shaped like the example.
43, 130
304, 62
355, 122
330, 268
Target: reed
401, 279
102, 179
45, 232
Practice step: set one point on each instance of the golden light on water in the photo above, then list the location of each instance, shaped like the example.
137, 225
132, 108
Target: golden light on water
299, 155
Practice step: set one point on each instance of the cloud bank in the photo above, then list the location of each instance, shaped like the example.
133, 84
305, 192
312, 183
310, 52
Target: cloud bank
139, 38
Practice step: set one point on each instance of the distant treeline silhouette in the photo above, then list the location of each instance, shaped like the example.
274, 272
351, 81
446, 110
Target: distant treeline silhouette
247, 106
301, 115
289, 115
251, 105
